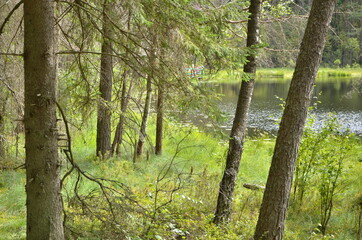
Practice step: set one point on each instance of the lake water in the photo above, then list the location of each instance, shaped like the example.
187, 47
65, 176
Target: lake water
340, 96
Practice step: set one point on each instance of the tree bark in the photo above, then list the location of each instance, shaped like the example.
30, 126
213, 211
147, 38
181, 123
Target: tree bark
159, 120
239, 129
105, 88
277, 192
44, 206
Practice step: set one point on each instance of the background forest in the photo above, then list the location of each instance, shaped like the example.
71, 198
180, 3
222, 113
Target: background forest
139, 127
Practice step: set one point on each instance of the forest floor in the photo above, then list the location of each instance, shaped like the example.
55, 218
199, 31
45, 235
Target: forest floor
174, 196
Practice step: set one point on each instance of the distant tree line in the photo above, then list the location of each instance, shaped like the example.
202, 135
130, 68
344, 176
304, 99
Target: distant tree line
344, 41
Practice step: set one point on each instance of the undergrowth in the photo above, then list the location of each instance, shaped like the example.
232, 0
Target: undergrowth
173, 196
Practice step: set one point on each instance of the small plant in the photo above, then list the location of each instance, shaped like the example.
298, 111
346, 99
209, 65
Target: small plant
331, 171
311, 146
321, 163
337, 63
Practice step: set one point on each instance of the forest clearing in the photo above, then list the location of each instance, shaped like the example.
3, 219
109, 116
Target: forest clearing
180, 119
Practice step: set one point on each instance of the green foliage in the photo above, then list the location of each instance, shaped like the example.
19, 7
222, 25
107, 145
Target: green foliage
171, 196
333, 163
321, 166
280, 9
337, 63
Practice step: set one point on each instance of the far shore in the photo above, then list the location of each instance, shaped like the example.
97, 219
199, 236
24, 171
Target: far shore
283, 74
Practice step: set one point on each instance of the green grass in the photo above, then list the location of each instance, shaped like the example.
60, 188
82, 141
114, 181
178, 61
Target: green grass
12, 205
285, 74
198, 166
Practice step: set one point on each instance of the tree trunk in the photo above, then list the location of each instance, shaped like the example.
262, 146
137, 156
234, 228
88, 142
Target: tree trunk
159, 120
360, 41
146, 112
359, 221
118, 137
2, 129
2, 139
238, 131
105, 89
277, 192
44, 206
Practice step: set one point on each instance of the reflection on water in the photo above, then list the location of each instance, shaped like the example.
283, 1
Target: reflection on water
341, 96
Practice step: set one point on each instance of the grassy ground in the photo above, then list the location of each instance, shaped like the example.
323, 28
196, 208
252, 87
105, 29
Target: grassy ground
175, 195
284, 74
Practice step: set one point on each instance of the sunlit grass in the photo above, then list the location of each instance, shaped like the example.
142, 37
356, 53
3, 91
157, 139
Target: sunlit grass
285, 74
199, 158
12, 204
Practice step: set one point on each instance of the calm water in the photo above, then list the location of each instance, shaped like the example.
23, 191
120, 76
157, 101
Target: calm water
340, 96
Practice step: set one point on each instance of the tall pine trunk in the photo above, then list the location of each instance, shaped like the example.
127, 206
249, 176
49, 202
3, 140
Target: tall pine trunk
159, 120
105, 88
44, 206
277, 192
239, 129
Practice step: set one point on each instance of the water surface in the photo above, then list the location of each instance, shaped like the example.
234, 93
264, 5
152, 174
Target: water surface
340, 96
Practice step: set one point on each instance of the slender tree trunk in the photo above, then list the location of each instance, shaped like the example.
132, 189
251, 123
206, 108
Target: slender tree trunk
360, 40
118, 137
119, 129
159, 120
2, 138
2, 129
238, 131
146, 113
359, 221
105, 88
277, 192
19, 129
44, 207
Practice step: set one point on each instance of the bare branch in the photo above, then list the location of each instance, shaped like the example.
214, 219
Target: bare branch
12, 54
236, 21
282, 50
283, 19
9, 16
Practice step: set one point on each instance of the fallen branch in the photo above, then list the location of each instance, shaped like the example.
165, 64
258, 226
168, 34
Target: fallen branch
254, 187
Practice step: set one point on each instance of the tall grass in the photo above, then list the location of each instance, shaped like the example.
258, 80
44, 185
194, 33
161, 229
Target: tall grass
12, 205
195, 160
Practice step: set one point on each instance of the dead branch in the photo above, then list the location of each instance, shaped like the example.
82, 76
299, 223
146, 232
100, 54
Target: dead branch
105, 190
12, 54
254, 187
9, 16
282, 50
236, 21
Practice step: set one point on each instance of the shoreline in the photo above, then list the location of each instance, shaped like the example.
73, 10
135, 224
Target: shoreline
285, 74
